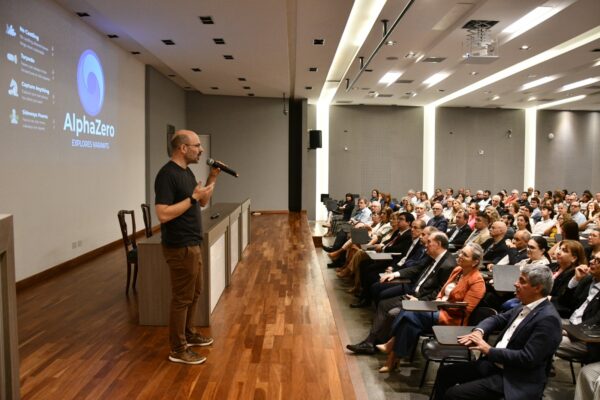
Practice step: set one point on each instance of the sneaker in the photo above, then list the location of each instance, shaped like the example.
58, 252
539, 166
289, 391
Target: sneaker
187, 356
199, 340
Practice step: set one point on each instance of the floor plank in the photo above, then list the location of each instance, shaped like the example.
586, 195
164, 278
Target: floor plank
275, 335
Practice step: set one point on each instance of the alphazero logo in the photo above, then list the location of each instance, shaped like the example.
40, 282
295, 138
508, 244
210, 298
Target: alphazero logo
90, 82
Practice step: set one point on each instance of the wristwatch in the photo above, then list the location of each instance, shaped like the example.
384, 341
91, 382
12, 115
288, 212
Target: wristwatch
192, 200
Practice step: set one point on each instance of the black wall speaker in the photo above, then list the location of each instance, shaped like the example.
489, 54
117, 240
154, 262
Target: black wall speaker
314, 139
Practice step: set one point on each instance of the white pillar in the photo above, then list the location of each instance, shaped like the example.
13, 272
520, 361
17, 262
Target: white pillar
429, 148
530, 147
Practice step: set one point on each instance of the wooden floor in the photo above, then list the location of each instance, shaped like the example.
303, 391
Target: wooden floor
275, 336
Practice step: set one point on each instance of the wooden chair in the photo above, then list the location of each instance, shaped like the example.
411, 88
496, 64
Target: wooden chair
130, 246
147, 219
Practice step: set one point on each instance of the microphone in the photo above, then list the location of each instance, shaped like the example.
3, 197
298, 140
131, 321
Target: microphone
222, 167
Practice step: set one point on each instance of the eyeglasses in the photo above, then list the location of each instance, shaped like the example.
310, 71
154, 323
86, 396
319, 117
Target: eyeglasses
197, 145
595, 260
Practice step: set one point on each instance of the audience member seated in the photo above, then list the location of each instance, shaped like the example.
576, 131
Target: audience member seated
509, 220
536, 212
465, 284
458, 235
496, 249
569, 230
429, 277
421, 212
577, 215
537, 254
569, 255
517, 249
473, 210
583, 296
492, 214
523, 223
516, 367
343, 212
546, 222
593, 246
438, 220
588, 383
454, 206
480, 234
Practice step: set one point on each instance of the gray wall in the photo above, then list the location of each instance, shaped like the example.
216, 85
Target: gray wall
165, 104
384, 149
571, 160
251, 135
458, 162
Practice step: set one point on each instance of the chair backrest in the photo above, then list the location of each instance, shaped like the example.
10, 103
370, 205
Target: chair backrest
147, 219
128, 239
481, 313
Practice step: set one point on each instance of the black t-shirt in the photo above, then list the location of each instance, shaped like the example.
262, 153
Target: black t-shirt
172, 185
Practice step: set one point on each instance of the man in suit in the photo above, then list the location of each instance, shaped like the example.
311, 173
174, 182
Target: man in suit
496, 249
426, 286
517, 251
515, 368
459, 234
583, 297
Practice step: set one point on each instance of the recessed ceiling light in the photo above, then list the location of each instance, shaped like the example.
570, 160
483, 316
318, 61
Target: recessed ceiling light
496, 97
112, 36
391, 42
390, 77
597, 63
168, 42
473, 73
318, 42
563, 101
579, 84
531, 76
530, 20
207, 20
524, 47
538, 82
83, 14
219, 40
532, 98
410, 54
436, 78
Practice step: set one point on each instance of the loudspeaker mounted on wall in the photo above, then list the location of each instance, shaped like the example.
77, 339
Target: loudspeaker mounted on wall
314, 139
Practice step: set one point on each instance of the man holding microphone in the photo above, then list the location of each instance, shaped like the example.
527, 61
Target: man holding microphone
178, 200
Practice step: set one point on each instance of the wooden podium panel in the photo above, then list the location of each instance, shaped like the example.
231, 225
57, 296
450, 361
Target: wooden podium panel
9, 343
154, 282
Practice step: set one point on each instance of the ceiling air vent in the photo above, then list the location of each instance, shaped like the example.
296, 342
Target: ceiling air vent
219, 40
242, 79
477, 23
168, 42
196, 69
247, 87
228, 56
207, 20
404, 81
83, 14
319, 42
313, 69
113, 36
386, 95
344, 102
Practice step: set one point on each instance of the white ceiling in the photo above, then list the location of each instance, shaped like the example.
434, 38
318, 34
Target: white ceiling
272, 45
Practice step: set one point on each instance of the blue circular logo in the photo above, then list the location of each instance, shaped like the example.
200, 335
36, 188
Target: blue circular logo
90, 82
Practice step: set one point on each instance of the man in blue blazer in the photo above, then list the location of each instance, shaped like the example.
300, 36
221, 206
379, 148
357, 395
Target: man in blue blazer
515, 369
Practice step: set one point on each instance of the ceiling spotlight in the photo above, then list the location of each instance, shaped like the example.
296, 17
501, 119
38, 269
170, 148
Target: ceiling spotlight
473, 73
391, 42
524, 47
496, 97
410, 54
532, 98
